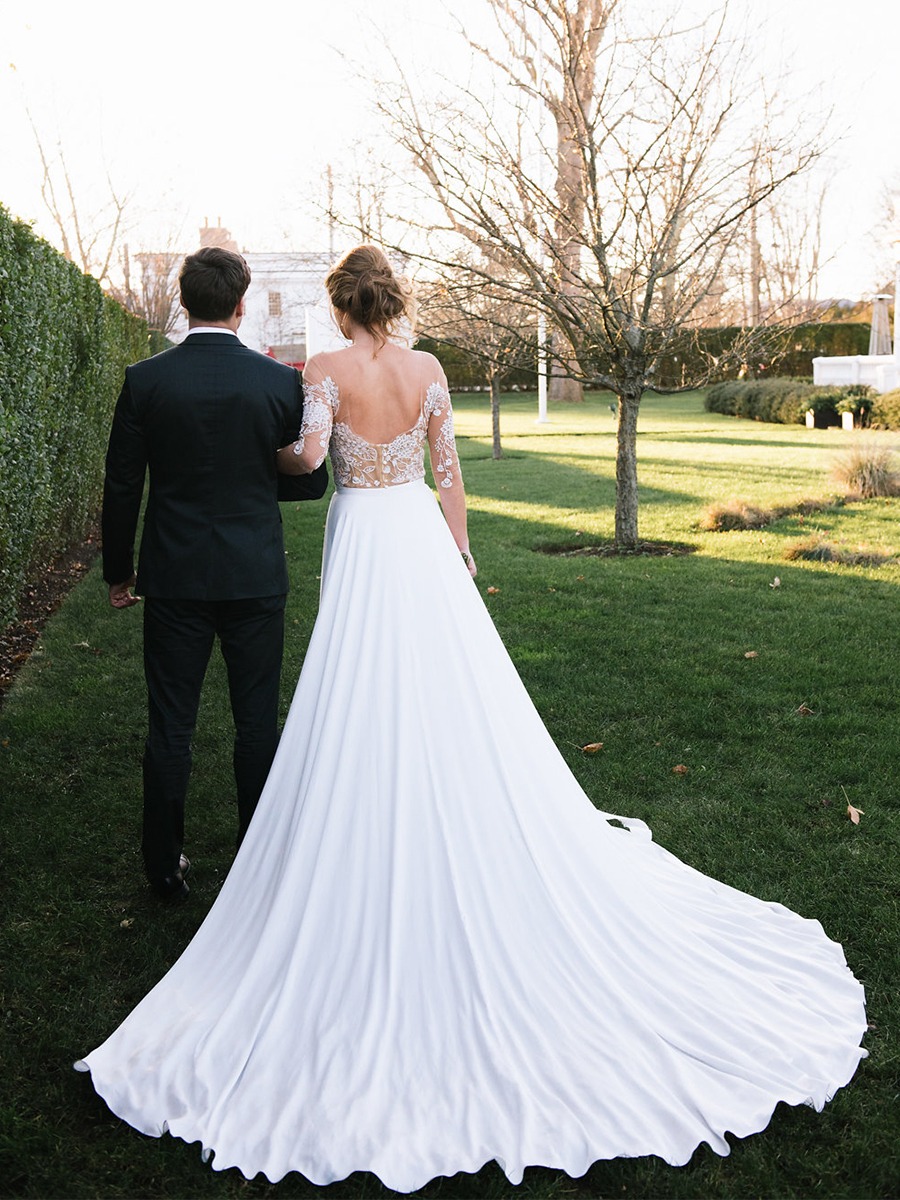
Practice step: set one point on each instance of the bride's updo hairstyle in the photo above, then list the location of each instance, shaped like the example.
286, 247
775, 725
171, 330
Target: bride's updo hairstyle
364, 287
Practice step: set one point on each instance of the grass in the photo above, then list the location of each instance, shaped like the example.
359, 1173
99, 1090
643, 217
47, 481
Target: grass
644, 654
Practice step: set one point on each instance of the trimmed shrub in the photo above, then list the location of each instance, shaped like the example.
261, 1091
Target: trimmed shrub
781, 401
884, 411
63, 349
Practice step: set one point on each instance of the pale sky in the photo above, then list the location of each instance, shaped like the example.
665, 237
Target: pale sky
235, 110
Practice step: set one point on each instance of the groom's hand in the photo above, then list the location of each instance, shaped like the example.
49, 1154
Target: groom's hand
121, 595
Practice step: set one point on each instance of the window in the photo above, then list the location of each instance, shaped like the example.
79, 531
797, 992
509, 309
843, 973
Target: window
274, 304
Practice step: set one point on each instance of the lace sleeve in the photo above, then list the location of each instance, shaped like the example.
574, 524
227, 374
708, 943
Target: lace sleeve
441, 442
320, 400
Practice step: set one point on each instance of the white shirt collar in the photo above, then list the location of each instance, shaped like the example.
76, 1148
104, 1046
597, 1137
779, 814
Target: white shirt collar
210, 329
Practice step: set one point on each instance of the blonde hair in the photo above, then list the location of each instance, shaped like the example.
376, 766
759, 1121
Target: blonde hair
364, 286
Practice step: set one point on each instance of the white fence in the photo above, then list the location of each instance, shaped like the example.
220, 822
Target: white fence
879, 371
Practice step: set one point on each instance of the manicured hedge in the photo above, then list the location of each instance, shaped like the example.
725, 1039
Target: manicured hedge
797, 347
63, 349
782, 352
777, 354
467, 372
782, 401
786, 402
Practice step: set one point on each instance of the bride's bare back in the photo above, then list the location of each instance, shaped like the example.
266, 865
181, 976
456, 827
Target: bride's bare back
380, 397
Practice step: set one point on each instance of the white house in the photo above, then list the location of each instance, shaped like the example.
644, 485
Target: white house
287, 311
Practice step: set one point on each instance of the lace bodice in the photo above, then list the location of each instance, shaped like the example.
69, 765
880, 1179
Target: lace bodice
358, 463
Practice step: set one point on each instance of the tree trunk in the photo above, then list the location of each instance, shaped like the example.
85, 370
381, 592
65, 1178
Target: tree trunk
561, 387
497, 449
626, 472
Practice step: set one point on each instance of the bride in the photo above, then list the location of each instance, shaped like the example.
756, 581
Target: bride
432, 950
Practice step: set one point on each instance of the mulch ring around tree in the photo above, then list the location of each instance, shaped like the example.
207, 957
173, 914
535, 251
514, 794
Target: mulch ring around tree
611, 550
39, 601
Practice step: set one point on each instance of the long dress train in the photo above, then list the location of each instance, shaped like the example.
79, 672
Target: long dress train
433, 951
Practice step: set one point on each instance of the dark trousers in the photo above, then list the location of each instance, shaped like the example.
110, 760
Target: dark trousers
178, 641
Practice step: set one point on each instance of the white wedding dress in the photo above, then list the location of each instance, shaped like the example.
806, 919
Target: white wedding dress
432, 950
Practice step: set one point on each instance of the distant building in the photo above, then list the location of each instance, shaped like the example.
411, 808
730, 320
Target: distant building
287, 312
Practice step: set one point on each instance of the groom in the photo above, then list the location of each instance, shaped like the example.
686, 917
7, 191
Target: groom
206, 418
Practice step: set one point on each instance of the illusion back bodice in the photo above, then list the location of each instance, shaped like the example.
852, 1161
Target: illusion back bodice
359, 463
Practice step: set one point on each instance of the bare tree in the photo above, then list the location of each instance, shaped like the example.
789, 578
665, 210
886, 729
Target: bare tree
462, 310
784, 254
887, 234
149, 287
90, 235
88, 239
663, 133
555, 61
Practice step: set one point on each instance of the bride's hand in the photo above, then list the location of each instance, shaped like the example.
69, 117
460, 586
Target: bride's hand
470, 563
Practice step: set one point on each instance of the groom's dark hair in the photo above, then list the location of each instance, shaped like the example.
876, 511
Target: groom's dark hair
212, 282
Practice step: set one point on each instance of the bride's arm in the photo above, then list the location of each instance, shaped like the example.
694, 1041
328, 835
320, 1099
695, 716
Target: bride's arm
309, 450
446, 469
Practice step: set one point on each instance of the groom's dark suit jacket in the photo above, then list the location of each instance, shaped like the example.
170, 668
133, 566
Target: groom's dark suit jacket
206, 417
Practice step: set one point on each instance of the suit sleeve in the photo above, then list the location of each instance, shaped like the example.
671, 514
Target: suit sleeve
301, 487
123, 488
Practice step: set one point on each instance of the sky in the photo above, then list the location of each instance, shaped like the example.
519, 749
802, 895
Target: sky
235, 111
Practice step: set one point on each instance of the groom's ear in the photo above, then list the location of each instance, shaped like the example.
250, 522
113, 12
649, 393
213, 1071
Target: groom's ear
241, 309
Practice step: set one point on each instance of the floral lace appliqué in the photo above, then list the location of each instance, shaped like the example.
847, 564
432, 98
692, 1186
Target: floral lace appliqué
446, 462
320, 401
358, 463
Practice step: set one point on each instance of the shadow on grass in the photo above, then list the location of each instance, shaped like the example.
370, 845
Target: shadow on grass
588, 485
712, 439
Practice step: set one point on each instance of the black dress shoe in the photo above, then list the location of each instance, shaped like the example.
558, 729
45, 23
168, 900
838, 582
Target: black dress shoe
171, 888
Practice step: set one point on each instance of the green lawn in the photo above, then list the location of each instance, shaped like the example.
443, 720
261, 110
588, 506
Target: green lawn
645, 654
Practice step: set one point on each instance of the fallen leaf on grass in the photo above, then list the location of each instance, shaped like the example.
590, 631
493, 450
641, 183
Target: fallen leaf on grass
127, 923
776, 582
681, 769
804, 711
492, 591
751, 654
853, 813
592, 747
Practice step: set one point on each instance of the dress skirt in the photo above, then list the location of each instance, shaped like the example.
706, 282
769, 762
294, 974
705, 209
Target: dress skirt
433, 951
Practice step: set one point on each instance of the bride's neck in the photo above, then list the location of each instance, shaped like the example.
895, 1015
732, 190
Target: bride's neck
366, 342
